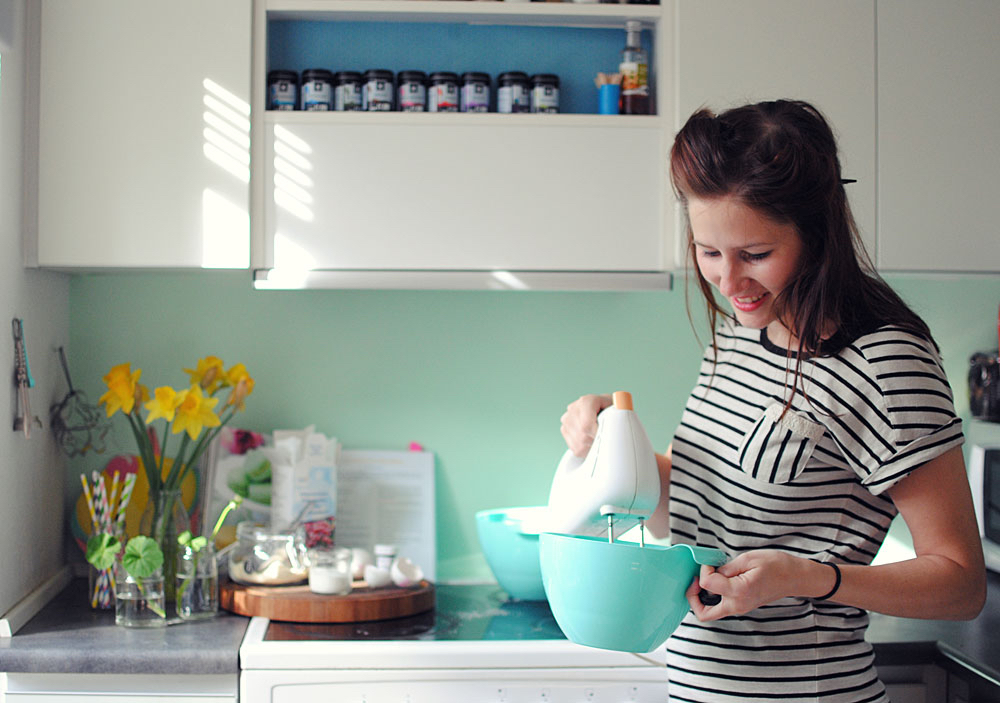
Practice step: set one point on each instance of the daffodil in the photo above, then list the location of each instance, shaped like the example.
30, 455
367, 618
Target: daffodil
209, 373
188, 413
164, 403
194, 411
122, 388
241, 389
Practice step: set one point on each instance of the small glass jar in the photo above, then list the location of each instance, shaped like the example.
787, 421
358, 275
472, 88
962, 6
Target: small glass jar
385, 554
266, 557
330, 571
139, 602
197, 583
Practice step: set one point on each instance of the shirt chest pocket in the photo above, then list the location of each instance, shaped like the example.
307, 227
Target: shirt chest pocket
778, 446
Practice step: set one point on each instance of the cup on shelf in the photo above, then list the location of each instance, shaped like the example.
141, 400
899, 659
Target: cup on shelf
608, 96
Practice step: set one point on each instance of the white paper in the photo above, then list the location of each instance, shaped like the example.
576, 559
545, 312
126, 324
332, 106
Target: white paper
387, 497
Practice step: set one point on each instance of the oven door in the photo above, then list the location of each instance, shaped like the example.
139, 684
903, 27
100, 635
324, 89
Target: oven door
414, 671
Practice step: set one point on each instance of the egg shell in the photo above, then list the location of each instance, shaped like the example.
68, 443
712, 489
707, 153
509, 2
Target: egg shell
405, 573
377, 577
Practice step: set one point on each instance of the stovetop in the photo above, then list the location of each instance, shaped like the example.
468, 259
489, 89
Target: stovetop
462, 612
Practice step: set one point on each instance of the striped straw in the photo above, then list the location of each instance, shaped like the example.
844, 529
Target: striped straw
111, 502
90, 502
124, 499
100, 500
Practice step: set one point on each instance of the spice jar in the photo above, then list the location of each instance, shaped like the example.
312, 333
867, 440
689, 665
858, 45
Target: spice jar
545, 92
475, 95
443, 93
512, 92
376, 91
266, 557
317, 90
412, 91
347, 91
282, 90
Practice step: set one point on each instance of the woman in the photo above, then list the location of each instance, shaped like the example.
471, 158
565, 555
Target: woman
821, 411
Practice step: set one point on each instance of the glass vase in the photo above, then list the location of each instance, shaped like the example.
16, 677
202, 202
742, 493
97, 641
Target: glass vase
139, 602
163, 519
197, 581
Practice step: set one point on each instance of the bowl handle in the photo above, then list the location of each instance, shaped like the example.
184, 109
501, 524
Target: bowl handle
707, 556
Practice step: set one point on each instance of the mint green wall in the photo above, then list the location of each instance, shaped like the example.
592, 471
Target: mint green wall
479, 378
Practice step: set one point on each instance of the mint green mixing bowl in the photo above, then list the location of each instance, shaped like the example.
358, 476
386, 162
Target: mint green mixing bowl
619, 595
510, 545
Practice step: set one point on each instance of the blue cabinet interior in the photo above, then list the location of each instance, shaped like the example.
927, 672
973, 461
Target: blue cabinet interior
574, 54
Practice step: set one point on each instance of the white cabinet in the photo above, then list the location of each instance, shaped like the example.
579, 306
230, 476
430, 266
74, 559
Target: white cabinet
143, 134
731, 52
121, 688
439, 198
938, 135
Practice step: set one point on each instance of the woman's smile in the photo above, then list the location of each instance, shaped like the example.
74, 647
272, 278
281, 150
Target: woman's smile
748, 257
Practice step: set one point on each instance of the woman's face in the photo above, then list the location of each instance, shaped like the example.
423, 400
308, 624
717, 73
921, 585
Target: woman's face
748, 257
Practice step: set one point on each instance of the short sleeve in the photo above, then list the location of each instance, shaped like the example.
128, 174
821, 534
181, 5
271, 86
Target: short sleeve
889, 407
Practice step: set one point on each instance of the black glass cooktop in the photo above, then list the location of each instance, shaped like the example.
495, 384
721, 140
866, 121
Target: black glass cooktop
469, 612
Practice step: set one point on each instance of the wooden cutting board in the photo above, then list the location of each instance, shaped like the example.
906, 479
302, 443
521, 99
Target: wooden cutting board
299, 604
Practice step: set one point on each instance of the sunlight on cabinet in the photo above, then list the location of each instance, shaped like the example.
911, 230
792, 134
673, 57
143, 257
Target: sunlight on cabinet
225, 225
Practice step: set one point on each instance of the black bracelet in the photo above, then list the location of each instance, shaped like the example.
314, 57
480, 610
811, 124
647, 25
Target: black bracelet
836, 583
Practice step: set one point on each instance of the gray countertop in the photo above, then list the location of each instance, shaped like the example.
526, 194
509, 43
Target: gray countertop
68, 637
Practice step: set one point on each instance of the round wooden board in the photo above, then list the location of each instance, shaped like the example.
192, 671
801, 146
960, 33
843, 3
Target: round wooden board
299, 604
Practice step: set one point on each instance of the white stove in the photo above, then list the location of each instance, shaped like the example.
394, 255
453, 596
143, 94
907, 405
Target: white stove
476, 645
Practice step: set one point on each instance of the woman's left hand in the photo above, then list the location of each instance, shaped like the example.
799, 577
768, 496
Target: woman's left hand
753, 579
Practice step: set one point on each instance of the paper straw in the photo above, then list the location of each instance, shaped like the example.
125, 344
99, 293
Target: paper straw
90, 502
124, 499
100, 500
111, 502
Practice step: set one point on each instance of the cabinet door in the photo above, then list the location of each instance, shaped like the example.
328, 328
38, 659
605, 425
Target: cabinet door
143, 149
731, 52
938, 135
468, 194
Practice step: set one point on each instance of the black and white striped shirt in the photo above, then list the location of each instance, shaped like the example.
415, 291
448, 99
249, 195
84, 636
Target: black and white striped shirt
810, 482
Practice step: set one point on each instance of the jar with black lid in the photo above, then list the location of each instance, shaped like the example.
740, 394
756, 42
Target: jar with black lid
282, 90
512, 92
412, 91
317, 89
545, 92
347, 91
377, 90
475, 95
443, 93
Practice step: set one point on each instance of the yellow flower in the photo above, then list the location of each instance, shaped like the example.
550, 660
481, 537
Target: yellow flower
242, 384
163, 404
209, 374
122, 389
194, 411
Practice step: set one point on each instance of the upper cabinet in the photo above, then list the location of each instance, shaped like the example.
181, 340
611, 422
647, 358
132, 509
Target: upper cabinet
143, 134
938, 135
573, 199
732, 52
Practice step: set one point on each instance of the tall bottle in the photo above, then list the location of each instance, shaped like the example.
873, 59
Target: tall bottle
634, 69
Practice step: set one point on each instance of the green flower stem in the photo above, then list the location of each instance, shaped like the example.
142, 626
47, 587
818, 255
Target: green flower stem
149, 604
145, 451
173, 479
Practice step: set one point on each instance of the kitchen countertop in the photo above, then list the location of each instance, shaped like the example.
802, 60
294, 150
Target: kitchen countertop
69, 637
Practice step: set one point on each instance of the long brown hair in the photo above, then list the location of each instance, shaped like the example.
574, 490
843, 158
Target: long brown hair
780, 159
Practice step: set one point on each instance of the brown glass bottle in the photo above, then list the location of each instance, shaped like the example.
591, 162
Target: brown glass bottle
634, 69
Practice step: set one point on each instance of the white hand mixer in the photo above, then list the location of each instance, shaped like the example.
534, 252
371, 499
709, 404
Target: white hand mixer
617, 481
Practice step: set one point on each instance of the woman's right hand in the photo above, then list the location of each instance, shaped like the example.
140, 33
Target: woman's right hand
579, 422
